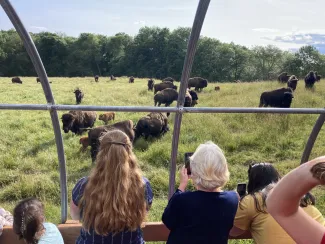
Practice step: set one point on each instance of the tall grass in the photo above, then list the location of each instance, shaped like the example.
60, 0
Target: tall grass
28, 158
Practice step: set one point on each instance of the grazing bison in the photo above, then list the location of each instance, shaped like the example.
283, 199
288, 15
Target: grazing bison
195, 98
217, 88
84, 142
112, 77
197, 82
166, 96
310, 79
151, 83
154, 124
292, 82
280, 98
79, 95
188, 99
94, 134
318, 77
169, 79
77, 121
283, 77
107, 117
131, 79
163, 85
96, 78
16, 80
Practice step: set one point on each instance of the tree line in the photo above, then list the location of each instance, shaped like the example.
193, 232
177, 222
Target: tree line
153, 52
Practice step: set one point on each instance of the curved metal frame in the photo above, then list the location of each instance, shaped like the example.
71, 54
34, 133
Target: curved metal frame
179, 109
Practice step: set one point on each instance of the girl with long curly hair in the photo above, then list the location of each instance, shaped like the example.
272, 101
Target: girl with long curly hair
113, 201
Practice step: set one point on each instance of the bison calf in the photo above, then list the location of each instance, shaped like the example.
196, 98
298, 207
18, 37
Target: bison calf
217, 88
84, 142
16, 80
107, 117
78, 121
280, 98
79, 95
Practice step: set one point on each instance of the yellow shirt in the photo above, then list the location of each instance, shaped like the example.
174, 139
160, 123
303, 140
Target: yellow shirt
264, 229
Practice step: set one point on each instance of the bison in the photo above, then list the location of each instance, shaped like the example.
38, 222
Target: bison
77, 121
79, 95
195, 98
38, 80
292, 82
131, 79
16, 80
151, 83
163, 85
112, 77
154, 124
94, 134
84, 142
169, 79
166, 96
190, 98
318, 77
96, 78
280, 98
283, 77
107, 117
197, 82
217, 88
310, 80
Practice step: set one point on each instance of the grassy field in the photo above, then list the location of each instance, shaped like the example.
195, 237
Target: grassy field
28, 158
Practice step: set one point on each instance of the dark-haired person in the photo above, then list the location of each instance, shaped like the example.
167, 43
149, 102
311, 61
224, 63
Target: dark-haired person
113, 201
29, 224
252, 215
283, 202
205, 215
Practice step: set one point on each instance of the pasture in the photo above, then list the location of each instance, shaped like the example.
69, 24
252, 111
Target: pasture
28, 158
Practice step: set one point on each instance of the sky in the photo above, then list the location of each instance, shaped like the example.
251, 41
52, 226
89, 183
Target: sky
288, 24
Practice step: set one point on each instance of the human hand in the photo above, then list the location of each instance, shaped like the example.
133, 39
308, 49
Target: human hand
183, 178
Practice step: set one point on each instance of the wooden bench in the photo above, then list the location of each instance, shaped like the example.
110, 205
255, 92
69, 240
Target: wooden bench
153, 231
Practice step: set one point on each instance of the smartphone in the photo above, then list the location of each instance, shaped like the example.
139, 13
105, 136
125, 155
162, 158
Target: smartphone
241, 189
187, 156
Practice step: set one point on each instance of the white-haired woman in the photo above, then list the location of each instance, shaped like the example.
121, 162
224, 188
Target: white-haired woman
205, 215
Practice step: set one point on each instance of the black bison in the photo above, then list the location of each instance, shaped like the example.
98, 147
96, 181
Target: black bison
154, 124
112, 77
78, 121
195, 98
280, 98
151, 83
163, 85
283, 77
79, 95
169, 79
96, 78
38, 80
292, 82
310, 79
131, 79
190, 98
166, 96
318, 77
94, 134
197, 82
107, 117
16, 80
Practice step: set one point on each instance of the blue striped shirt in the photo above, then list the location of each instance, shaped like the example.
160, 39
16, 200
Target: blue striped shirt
125, 237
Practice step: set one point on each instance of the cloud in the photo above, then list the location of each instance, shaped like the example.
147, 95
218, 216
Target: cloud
265, 30
38, 28
140, 22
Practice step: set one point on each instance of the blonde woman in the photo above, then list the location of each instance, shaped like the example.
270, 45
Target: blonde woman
113, 201
205, 215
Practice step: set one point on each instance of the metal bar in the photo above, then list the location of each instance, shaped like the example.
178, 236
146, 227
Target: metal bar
187, 67
162, 109
38, 65
312, 138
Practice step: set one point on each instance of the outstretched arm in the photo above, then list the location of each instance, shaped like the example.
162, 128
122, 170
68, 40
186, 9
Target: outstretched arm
283, 204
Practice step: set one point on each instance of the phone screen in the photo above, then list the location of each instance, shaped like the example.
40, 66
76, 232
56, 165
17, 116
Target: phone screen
187, 161
241, 189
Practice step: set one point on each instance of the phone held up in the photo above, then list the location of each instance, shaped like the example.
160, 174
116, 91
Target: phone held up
241, 189
187, 156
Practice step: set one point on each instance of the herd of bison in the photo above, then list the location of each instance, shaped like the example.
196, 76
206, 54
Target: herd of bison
156, 124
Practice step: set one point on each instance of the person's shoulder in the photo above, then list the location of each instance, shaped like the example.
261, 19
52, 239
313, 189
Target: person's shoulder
145, 180
48, 225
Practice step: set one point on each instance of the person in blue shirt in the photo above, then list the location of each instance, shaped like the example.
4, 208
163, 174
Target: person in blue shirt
207, 214
29, 223
113, 201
